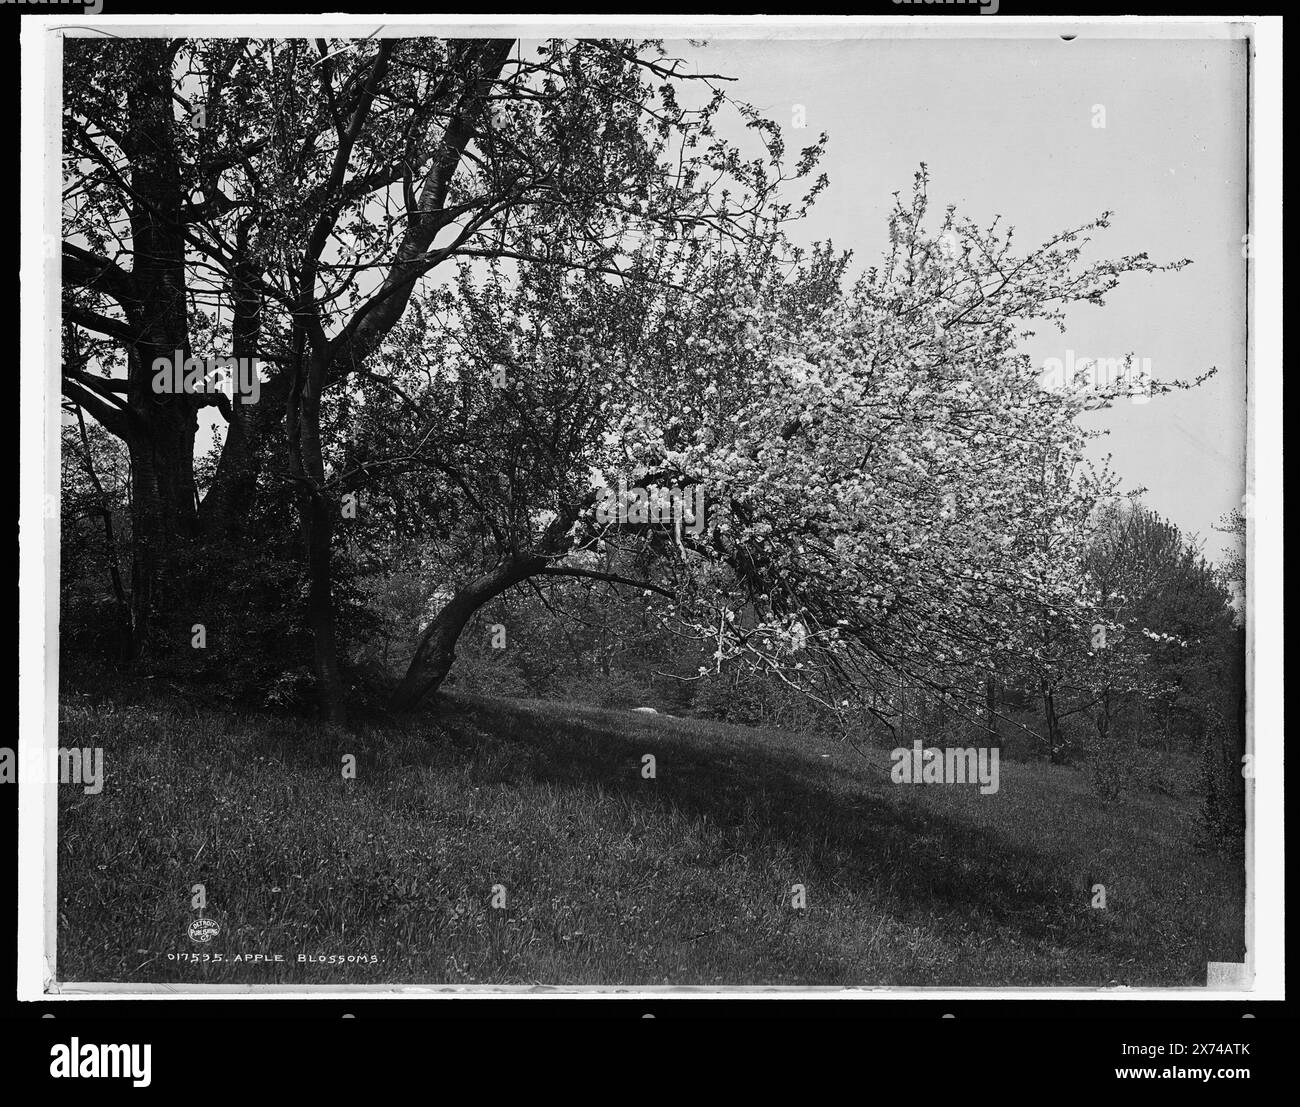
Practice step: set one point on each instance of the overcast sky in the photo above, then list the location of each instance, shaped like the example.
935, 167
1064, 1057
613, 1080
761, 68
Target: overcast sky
1006, 127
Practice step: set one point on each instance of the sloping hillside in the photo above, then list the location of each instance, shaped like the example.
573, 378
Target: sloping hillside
607, 877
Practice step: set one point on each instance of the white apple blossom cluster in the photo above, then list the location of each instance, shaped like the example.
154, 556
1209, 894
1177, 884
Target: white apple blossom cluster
893, 491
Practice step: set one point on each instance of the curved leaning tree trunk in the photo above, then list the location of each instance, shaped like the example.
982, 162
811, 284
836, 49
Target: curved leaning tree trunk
437, 647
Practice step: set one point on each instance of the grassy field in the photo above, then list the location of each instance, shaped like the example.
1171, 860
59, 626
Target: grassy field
608, 877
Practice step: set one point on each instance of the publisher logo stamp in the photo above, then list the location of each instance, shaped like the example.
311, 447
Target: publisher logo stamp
204, 930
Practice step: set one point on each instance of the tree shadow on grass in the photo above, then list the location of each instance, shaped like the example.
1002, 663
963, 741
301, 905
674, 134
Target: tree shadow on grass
842, 827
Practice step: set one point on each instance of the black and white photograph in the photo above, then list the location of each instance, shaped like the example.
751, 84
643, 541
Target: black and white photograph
733, 506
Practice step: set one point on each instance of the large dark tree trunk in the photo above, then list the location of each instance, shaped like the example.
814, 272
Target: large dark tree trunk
322, 361
227, 507
437, 648
162, 511
168, 574
318, 509
163, 495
